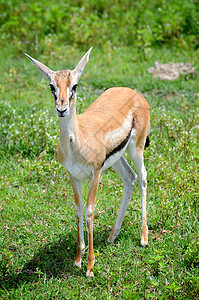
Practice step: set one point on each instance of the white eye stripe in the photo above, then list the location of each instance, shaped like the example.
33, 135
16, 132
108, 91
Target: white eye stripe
68, 93
57, 92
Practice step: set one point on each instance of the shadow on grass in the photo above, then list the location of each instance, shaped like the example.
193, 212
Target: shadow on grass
54, 260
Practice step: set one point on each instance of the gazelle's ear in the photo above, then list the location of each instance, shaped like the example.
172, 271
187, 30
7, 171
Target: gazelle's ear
41, 67
81, 65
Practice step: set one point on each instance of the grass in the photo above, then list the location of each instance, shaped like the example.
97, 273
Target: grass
38, 224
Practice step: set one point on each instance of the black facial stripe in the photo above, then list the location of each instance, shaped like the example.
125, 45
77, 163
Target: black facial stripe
121, 145
74, 88
52, 88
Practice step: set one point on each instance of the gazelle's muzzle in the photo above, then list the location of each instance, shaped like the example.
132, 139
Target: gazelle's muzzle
62, 112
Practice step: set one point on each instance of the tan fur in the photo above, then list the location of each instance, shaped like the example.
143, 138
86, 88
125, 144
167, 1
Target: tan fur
105, 115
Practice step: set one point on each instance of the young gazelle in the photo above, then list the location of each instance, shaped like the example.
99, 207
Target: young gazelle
95, 140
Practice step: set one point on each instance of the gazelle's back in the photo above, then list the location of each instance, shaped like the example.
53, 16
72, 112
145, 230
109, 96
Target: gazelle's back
115, 109
116, 99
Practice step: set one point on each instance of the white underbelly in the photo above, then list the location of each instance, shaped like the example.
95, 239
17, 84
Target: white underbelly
78, 170
116, 156
113, 159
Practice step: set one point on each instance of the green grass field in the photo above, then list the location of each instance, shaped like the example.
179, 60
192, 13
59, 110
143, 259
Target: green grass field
38, 234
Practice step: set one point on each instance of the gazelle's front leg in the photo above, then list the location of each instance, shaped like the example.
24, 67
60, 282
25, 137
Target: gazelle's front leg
77, 189
89, 211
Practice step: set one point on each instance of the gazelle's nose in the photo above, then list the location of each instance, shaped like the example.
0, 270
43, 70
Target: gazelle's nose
62, 112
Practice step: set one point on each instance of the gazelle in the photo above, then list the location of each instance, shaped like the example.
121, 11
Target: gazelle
95, 140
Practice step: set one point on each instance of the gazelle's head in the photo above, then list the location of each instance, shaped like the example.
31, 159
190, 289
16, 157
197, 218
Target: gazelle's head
63, 84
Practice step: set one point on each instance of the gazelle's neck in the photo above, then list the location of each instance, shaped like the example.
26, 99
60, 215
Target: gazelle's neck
69, 126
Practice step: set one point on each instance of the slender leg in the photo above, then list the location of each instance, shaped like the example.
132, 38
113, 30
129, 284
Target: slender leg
138, 161
129, 179
142, 176
89, 211
77, 188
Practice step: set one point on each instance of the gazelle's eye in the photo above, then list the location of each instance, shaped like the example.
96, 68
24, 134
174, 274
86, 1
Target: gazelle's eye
74, 88
52, 88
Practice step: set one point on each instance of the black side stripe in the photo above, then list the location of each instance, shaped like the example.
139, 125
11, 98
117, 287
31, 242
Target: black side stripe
122, 145
147, 143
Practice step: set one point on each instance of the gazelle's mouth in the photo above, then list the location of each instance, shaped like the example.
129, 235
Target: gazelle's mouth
62, 113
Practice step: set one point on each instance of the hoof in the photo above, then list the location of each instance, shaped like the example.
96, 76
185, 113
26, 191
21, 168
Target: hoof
89, 274
144, 244
110, 241
77, 264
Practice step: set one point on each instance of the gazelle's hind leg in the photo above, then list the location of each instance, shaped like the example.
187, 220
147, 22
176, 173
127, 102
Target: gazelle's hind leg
138, 161
129, 178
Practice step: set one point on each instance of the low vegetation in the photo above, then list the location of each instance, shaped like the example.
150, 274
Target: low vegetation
141, 24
